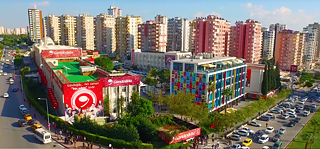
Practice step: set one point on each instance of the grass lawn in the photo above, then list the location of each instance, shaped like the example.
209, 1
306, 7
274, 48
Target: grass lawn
299, 143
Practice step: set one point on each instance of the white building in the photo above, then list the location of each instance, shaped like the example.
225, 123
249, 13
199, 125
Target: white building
85, 32
36, 32
115, 11
159, 60
53, 28
267, 43
254, 80
2, 30
23, 31
17, 31
105, 34
68, 30
310, 45
178, 34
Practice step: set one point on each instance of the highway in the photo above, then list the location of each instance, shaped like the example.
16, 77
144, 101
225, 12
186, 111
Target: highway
11, 135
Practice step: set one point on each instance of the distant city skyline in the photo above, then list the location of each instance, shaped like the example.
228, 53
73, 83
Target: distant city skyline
295, 15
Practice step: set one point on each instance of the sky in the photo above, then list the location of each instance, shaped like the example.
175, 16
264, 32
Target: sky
296, 14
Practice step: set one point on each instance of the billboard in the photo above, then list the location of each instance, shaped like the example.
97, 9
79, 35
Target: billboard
61, 53
120, 81
180, 136
293, 68
168, 59
83, 99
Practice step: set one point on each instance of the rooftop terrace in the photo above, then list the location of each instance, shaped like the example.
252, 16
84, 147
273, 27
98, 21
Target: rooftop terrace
73, 73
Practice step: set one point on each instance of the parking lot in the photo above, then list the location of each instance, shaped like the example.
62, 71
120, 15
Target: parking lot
277, 123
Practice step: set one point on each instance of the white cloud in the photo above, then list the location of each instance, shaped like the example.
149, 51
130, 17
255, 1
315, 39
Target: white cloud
295, 20
43, 4
200, 14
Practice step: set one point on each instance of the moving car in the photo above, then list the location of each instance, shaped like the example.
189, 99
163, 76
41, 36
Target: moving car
36, 126
247, 142
14, 90
5, 74
277, 145
254, 123
243, 133
24, 111
285, 116
306, 113
236, 146
269, 130
282, 130
22, 107
6, 95
276, 137
22, 123
263, 139
235, 137
27, 117
247, 129
32, 122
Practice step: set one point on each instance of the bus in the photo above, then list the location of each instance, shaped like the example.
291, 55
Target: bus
42, 135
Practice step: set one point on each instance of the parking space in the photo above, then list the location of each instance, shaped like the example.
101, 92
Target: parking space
277, 123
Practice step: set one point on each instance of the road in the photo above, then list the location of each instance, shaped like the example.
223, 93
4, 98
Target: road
13, 136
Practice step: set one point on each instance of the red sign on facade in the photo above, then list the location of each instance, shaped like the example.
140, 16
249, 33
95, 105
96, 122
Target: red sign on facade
61, 53
180, 136
82, 95
293, 68
120, 81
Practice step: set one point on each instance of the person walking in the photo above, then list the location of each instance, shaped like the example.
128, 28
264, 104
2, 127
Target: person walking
34, 115
266, 124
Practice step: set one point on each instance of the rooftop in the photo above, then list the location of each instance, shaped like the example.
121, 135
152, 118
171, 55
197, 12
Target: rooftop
47, 44
204, 61
73, 72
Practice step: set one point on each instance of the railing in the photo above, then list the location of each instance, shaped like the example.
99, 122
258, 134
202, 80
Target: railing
221, 68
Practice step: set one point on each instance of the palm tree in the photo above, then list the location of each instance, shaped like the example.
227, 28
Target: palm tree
314, 125
210, 88
306, 137
226, 93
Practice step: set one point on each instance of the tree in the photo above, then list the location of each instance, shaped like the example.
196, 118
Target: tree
120, 68
164, 77
158, 98
264, 85
24, 70
122, 100
314, 125
104, 62
182, 104
226, 93
210, 88
201, 111
139, 106
307, 138
1, 46
277, 73
106, 105
17, 50
18, 60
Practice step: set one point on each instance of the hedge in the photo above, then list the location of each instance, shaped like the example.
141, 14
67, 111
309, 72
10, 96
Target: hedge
89, 136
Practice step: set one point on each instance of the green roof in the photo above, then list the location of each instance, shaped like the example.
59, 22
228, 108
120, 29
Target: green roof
73, 73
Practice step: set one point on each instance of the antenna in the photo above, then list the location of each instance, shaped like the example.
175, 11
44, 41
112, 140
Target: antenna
113, 3
35, 5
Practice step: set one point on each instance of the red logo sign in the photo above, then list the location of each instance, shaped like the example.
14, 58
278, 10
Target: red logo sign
120, 81
61, 53
293, 68
82, 95
186, 135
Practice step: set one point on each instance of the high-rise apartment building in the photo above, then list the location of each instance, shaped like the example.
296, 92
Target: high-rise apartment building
23, 31
289, 49
276, 28
115, 11
178, 34
9, 31
68, 30
153, 36
127, 35
311, 45
36, 31
85, 32
232, 37
17, 31
105, 34
316, 26
53, 28
247, 38
2, 30
267, 43
191, 36
212, 35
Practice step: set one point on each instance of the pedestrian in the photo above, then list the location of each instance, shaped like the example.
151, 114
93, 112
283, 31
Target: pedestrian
266, 124
56, 134
84, 139
91, 145
83, 145
212, 146
34, 115
99, 146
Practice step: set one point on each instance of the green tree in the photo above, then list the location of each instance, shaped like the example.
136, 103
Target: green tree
264, 85
226, 93
306, 137
277, 73
201, 111
158, 98
211, 86
1, 46
106, 105
17, 50
24, 70
122, 100
164, 78
314, 125
139, 106
18, 60
104, 62
182, 104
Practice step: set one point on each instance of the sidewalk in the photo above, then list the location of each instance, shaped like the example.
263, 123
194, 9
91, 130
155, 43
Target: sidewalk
44, 122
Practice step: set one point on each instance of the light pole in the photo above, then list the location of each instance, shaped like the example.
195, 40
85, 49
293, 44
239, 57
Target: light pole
47, 111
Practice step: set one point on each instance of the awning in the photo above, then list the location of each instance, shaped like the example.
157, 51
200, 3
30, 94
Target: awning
219, 63
205, 65
224, 63
212, 66
228, 62
53, 99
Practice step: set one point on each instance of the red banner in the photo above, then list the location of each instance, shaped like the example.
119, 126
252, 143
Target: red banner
53, 99
293, 68
61, 53
186, 135
120, 81
82, 95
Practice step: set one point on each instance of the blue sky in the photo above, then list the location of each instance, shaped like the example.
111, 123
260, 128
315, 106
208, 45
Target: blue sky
295, 13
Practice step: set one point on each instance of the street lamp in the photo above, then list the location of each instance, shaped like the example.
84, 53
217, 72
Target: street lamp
47, 111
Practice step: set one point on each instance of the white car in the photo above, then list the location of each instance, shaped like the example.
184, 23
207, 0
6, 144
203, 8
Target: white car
285, 116
243, 133
254, 123
22, 107
263, 139
269, 130
6, 95
247, 129
269, 115
290, 111
292, 115
24, 111
1, 70
5, 74
306, 113
265, 147
301, 102
282, 130
244, 147
236, 146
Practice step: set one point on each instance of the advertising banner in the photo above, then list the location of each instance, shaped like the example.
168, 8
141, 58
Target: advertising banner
293, 68
168, 59
120, 81
53, 99
180, 136
83, 99
61, 53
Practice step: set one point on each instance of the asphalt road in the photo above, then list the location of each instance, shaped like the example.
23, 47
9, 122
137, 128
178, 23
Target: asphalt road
11, 135
277, 123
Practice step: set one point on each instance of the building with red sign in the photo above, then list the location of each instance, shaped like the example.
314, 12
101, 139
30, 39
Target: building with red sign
77, 86
254, 80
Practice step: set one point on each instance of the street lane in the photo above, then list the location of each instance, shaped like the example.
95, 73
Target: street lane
13, 136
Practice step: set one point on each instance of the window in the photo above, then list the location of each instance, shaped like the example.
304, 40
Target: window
134, 88
189, 67
124, 89
178, 66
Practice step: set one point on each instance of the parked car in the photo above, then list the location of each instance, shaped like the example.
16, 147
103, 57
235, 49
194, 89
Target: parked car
270, 115
254, 123
285, 116
258, 134
235, 137
292, 115
263, 139
269, 130
5, 95
22, 123
265, 147
276, 111
301, 102
282, 130
306, 113
296, 120
291, 124
277, 145
247, 142
243, 133
264, 118
247, 129
276, 137
22, 107
313, 105
236, 146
